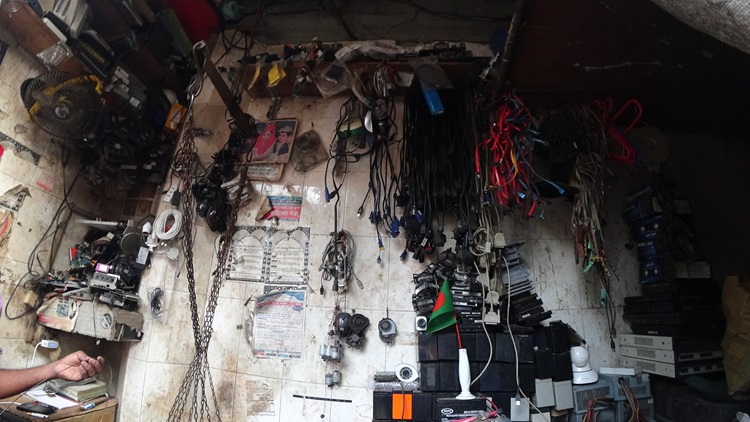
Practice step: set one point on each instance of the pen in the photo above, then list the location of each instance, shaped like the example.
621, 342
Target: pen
93, 403
38, 415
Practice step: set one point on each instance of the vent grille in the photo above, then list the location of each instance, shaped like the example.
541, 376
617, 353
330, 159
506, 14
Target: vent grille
643, 341
647, 353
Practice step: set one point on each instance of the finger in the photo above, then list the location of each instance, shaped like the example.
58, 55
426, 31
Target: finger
95, 364
81, 355
88, 368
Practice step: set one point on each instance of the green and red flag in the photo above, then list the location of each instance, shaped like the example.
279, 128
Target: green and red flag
443, 314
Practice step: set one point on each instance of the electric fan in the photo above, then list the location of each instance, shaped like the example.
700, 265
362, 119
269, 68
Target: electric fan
64, 106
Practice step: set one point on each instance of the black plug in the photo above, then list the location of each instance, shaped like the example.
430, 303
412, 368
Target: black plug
419, 254
176, 196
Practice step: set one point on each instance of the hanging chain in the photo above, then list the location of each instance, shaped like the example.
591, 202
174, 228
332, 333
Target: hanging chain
199, 371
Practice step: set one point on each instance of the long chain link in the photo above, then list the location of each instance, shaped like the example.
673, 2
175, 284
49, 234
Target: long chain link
199, 371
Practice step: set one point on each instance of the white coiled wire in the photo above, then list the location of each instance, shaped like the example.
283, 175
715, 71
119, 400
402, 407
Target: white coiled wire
160, 224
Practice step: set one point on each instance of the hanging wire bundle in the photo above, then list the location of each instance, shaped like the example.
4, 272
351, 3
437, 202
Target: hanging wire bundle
589, 208
506, 157
435, 171
588, 205
338, 261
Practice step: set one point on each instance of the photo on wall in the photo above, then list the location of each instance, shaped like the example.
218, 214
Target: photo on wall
274, 144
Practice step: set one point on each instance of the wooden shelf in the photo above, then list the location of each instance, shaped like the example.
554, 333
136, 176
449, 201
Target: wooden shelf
458, 73
33, 35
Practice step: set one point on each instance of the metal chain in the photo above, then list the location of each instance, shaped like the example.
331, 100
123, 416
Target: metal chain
194, 383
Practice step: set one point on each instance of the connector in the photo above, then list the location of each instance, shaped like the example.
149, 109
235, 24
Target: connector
49, 344
170, 193
395, 224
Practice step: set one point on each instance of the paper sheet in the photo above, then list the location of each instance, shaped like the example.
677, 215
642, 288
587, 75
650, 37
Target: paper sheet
59, 402
279, 324
277, 258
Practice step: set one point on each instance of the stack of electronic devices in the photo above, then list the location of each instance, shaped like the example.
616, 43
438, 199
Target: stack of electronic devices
467, 301
512, 272
673, 356
526, 308
675, 313
608, 400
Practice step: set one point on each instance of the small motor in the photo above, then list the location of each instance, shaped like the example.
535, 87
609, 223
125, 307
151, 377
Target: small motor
352, 328
333, 378
387, 330
330, 352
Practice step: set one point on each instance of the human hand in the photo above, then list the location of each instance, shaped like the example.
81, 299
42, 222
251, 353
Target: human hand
77, 366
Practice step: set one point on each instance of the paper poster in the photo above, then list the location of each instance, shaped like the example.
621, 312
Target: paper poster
274, 141
285, 208
279, 324
265, 172
277, 258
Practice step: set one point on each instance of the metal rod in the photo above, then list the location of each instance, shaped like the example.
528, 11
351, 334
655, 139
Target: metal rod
515, 22
240, 118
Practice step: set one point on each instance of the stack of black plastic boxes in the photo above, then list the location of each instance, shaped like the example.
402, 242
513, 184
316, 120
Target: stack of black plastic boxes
677, 322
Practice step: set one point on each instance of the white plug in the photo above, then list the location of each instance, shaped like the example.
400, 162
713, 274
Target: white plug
170, 193
49, 344
498, 240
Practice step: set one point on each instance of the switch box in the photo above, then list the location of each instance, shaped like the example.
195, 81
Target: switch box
545, 395
519, 409
541, 417
563, 394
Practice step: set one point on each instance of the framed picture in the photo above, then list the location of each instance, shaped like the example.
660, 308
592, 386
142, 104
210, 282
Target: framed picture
274, 144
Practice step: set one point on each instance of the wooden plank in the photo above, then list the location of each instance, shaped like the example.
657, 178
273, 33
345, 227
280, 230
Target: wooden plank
33, 35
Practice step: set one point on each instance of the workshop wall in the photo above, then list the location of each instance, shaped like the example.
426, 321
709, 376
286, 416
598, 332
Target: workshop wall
30, 159
252, 389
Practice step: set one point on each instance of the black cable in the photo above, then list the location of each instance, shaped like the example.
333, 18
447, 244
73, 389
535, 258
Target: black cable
30, 272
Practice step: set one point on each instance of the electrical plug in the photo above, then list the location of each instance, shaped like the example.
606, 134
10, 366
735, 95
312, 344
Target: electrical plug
395, 224
49, 344
419, 254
